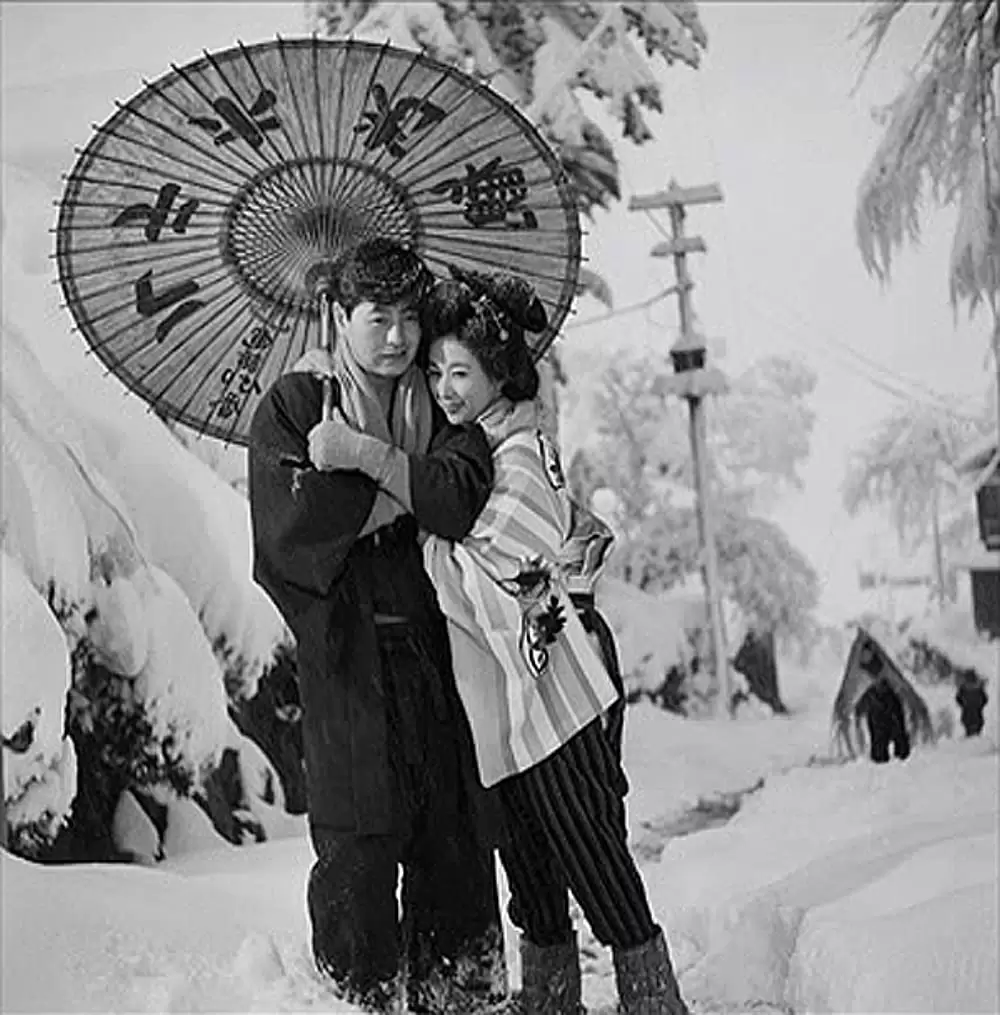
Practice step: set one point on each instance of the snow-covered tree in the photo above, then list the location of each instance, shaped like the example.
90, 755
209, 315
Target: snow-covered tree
940, 145
907, 466
771, 583
140, 555
758, 435
541, 56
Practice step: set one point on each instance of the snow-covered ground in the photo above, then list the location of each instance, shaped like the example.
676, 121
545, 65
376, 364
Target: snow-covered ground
847, 888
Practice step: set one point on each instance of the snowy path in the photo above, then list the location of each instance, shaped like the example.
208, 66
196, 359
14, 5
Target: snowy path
853, 889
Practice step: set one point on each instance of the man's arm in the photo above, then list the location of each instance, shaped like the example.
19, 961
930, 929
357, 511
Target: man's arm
304, 522
444, 489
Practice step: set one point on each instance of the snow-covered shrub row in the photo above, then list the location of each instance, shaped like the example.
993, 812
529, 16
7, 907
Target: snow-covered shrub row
128, 608
662, 641
939, 646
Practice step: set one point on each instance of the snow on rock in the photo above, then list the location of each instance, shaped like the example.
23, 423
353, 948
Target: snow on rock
34, 678
133, 830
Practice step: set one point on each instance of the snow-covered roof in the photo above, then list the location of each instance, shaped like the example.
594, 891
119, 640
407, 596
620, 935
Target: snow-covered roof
977, 559
978, 456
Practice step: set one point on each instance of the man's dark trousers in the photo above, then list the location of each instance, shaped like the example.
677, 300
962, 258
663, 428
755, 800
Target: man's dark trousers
450, 943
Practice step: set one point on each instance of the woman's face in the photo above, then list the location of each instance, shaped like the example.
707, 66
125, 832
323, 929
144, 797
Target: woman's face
458, 382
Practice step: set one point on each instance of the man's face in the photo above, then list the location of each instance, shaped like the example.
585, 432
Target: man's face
383, 336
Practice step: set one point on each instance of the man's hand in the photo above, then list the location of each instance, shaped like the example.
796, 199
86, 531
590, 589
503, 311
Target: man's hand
318, 362
334, 445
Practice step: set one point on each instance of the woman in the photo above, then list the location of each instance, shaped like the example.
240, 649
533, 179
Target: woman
532, 686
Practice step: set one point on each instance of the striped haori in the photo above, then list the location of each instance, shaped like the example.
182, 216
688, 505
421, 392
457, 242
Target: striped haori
527, 673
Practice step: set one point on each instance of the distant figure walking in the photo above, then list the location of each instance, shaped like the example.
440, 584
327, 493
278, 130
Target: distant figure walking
971, 698
883, 711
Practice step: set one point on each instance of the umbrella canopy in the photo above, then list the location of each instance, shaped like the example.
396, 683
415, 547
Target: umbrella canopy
196, 222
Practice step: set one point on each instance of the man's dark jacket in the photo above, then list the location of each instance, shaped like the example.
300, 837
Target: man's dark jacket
328, 585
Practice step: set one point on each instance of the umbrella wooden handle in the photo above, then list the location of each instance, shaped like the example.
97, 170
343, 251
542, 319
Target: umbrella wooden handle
325, 343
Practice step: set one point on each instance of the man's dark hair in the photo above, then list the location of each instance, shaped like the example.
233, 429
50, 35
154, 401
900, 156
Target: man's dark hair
381, 271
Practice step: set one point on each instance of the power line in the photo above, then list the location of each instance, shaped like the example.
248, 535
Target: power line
845, 346
891, 381
631, 308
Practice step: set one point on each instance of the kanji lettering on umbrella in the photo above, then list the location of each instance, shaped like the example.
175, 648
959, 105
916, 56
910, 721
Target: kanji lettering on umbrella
239, 380
262, 338
227, 406
244, 381
149, 304
155, 216
388, 124
490, 193
237, 124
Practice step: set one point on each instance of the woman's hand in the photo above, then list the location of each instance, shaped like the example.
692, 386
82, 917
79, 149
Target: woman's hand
318, 362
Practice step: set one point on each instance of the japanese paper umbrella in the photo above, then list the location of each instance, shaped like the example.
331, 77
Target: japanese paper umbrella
198, 227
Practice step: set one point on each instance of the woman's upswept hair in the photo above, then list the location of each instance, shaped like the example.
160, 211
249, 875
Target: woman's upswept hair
489, 315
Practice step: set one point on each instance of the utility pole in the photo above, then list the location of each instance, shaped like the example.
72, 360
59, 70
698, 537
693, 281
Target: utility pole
692, 382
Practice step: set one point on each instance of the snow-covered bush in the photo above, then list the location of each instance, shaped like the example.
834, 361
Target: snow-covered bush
39, 764
663, 641
940, 645
130, 611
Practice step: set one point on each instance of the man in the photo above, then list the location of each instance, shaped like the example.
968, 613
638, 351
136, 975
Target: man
883, 711
390, 768
971, 698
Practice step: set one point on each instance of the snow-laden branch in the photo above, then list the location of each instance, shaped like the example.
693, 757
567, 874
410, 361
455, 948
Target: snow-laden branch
931, 148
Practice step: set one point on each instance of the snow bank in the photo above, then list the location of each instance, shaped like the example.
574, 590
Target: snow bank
39, 772
131, 939
850, 888
828, 891
673, 762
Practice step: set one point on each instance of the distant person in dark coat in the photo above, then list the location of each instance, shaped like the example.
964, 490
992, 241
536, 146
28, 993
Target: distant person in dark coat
756, 660
390, 767
971, 699
883, 712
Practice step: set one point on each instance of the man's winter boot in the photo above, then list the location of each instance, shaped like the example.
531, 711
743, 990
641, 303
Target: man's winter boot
550, 979
646, 981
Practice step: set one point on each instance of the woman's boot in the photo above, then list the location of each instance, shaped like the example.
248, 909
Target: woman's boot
646, 981
550, 979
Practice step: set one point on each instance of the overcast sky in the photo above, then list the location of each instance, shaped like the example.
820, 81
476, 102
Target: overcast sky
769, 116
